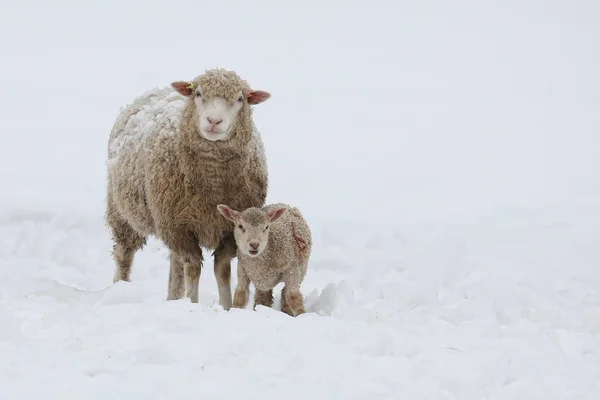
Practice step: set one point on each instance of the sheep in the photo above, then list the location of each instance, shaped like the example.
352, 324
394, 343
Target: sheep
273, 245
174, 154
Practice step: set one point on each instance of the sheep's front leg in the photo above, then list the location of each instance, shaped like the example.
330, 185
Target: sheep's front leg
181, 269
185, 263
240, 298
176, 283
223, 254
192, 279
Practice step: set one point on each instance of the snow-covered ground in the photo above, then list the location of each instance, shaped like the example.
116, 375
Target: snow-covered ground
452, 312
447, 158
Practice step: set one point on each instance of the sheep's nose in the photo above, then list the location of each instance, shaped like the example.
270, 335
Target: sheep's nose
214, 121
254, 245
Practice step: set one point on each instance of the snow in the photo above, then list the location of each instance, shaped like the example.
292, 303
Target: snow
157, 110
458, 313
446, 158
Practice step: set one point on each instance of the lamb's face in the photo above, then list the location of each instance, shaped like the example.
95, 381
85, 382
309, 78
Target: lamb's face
252, 233
251, 230
217, 115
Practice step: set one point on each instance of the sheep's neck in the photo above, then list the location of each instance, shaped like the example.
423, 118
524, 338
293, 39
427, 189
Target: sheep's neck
214, 166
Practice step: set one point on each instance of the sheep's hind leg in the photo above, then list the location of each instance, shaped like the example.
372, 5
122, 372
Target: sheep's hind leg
223, 254
126, 243
263, 298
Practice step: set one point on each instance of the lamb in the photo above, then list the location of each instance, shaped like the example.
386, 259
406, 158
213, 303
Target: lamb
273, 245
171, 161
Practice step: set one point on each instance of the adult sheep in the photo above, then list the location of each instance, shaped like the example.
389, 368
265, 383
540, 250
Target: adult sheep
171, 161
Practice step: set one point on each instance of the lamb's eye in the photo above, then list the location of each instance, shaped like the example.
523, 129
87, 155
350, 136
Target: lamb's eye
240, 99
241, 227
198, 94
266, 227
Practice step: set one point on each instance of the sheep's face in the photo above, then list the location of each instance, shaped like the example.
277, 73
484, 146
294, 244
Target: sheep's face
219, 96
216, 115
251, 228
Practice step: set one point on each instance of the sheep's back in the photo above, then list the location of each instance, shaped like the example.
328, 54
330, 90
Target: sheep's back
150, 122
156, 111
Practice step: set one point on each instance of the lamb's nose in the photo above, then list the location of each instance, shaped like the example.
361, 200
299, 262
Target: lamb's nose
254, 245
214, 121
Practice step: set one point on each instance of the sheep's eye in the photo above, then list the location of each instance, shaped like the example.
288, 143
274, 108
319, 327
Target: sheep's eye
240, 99
266, 227
198, 94
241, 227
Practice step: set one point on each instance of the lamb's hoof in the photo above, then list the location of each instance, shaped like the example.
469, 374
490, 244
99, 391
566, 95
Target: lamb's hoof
299, 312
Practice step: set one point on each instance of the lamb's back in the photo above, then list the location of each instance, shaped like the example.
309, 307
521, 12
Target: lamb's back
291, 221
290, 236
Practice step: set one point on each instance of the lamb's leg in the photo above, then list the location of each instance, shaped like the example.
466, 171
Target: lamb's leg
285, 307
263, 298
294, 301
186, 262
242, 291
126, 243
223, 254
176, 283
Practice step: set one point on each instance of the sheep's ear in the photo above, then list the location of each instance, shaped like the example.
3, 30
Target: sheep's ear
184, 88
228, 213
257, 96
275, 214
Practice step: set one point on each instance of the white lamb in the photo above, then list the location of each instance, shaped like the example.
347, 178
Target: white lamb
273, 245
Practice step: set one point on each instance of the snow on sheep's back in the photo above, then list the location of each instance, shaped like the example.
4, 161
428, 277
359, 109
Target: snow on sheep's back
445, 155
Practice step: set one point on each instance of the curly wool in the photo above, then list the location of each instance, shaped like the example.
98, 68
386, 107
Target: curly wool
220, 82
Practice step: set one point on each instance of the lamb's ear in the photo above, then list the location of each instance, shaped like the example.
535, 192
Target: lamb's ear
184, 88
257, 96
275, 214
228, 213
